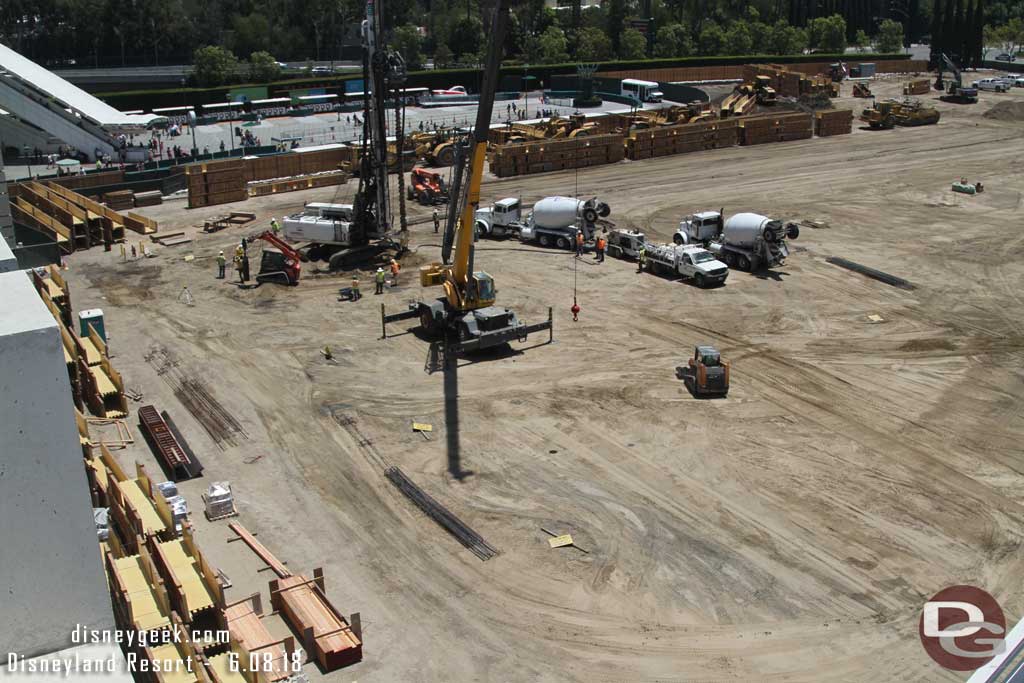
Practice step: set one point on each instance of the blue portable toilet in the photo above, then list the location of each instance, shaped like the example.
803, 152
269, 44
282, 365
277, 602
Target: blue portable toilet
92, 317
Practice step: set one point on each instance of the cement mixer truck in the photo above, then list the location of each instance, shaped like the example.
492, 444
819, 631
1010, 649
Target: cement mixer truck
553, 222
747, 241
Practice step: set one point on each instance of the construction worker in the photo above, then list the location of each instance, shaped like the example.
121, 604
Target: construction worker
394, 272
274, 226
599, 248
355, 288
641, 259
579, 243
239, 252
437, 220
379, 281
221, 264
238, 267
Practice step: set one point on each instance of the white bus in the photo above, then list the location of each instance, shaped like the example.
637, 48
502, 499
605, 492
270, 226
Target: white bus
645, 91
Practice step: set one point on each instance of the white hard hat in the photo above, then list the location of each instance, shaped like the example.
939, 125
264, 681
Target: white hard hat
221, 252
380, 270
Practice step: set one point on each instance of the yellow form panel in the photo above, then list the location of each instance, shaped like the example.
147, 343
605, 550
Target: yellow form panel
92, 354
52, 289
173, 669
146, 614
103, 383
101, 472
189, 575
151, 522
222, 670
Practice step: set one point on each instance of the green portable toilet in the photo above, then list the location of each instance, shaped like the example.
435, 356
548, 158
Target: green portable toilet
92, 317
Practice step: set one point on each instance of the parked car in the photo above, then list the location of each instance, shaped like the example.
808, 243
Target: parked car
996, 84
1018, 82
321, 71
1005, 57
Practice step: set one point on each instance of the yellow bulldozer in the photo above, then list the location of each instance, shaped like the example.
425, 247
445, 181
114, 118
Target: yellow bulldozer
889, 113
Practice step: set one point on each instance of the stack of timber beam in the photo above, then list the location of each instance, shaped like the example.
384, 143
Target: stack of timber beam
790, 83
833, 122
152, 198
84, 438
921, 86
687, 137
298, 163
191, 582
215, 183
73, 182
119, 200
556, 155
756, 130
326, 634
250, 637
261, 188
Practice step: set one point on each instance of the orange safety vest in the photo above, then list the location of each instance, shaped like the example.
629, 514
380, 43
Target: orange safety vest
600, 243
579, 238
395, 268
355, 283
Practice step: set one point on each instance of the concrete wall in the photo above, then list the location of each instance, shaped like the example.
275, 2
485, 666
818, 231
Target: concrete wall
7, 260
6, 224
51, 575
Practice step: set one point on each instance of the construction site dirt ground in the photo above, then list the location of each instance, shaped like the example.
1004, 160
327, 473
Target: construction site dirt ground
867, 456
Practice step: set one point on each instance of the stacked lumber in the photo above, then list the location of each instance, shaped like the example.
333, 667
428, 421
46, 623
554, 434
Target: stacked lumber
152, 198
756, 130
119, 200
73, 182
216, 182
297, 163
920, 86
546, 156
252, 642
789, 82
687, 137
303, 182
326, 634
833, 122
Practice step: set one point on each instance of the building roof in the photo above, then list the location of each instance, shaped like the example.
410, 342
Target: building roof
72, 97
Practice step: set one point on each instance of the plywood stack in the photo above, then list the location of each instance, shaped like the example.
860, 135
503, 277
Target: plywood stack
153, 198
119, 200
546, 156
215, 183
921, 86
687, 137
833, 122
756, 130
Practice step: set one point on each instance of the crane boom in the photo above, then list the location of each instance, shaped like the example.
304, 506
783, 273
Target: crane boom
478, 153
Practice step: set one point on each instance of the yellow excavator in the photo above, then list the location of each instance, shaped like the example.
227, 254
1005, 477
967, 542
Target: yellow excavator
466, 317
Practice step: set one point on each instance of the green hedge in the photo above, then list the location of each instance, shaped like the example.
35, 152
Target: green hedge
442, 78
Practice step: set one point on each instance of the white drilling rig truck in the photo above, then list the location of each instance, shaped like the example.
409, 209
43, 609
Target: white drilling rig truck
747, 241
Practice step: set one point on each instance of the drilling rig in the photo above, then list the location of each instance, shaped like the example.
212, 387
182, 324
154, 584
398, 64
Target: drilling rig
345, 234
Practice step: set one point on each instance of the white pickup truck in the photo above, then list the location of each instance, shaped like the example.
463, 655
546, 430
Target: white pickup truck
692, 261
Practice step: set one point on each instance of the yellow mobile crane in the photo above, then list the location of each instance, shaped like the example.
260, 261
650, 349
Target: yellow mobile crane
466, 316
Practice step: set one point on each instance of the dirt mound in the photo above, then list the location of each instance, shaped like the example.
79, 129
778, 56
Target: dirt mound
1006, 111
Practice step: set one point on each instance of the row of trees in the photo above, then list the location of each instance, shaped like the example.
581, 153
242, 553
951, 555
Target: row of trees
108, 32
957, 29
